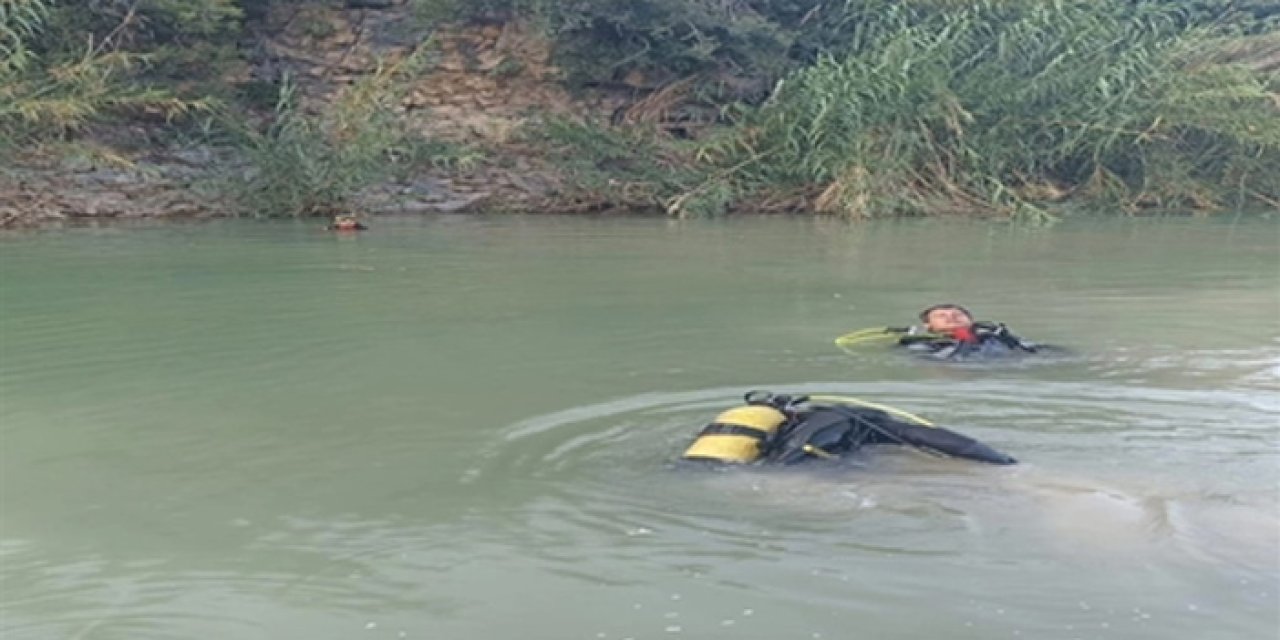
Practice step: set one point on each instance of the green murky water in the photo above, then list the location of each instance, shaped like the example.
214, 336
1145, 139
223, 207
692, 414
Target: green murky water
461, 428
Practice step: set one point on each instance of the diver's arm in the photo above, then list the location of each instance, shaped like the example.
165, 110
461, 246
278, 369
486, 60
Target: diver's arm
1016, 342
906, 335
999, 332
954, 444
920, 338
1009, 339
878, 427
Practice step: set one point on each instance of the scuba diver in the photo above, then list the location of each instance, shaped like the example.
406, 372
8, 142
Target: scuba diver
949, 332
345, 222
785, 429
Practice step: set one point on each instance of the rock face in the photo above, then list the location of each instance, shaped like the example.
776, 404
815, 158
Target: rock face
483, 83
488, 81
159, 186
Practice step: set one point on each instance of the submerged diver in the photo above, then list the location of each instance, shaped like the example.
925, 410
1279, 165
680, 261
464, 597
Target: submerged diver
345, 223
787, 429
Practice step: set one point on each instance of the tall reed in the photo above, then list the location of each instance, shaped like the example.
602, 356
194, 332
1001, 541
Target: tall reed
1006, 106
64, 86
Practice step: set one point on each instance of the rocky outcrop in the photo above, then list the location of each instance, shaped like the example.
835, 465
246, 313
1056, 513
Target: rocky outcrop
483, 83
157, 186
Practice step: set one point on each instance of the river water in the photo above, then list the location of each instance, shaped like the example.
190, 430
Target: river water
463, 428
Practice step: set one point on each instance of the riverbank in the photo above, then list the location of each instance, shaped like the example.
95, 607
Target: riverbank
192, 183
316, 108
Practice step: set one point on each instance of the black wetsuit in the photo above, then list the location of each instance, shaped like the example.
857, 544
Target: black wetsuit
989, 339
357, 227
831, 431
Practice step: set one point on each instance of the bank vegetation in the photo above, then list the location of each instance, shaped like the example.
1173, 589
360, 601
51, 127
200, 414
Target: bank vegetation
857, 108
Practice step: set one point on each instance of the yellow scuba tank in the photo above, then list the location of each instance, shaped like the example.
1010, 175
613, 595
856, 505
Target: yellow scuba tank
737, 434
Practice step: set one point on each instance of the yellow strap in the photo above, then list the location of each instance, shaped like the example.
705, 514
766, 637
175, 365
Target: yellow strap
880, 334
867, 335
871, 405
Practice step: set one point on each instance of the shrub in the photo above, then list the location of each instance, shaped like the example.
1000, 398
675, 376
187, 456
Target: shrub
1001, 106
